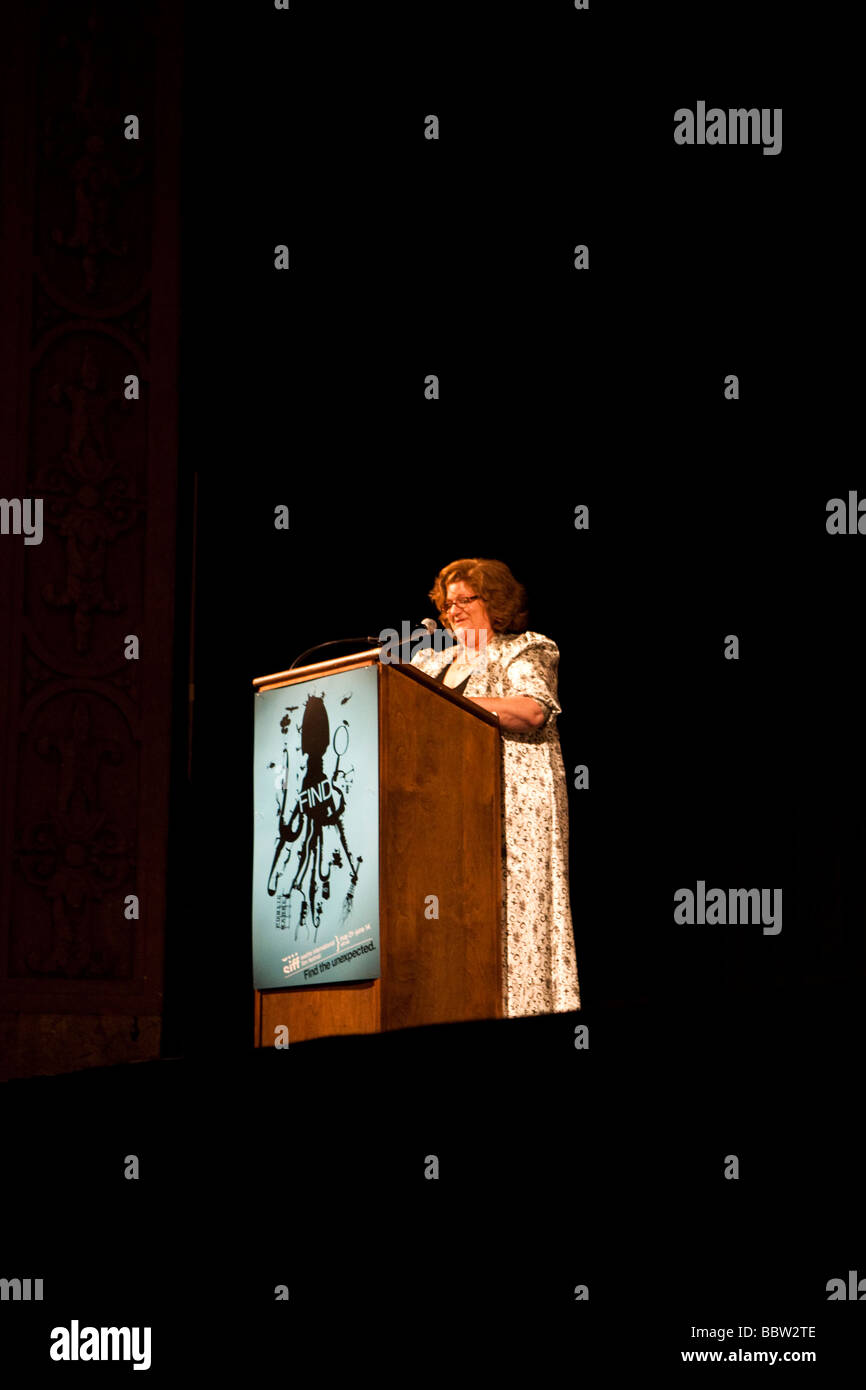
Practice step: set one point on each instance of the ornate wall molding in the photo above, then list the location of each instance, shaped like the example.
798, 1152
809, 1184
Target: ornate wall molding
89, 286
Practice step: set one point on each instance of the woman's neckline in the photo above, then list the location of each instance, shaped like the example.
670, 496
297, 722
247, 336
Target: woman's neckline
460, 659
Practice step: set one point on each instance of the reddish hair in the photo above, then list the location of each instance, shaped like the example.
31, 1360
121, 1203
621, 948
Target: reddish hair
502, 595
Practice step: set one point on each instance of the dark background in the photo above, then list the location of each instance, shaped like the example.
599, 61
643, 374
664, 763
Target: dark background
707, 517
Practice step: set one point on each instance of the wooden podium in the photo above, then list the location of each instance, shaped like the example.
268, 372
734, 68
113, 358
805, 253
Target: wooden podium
440, 832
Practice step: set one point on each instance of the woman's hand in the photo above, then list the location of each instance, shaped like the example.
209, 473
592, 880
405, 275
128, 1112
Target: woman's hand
519, 713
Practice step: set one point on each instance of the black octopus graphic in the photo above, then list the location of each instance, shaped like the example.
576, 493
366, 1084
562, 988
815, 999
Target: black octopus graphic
321, 804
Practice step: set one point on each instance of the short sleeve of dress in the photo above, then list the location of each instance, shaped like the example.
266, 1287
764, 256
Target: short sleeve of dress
421, 659
534, 672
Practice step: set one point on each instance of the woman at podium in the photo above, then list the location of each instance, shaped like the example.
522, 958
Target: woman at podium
513, 673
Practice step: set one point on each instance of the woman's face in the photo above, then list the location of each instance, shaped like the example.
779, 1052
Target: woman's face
472, 619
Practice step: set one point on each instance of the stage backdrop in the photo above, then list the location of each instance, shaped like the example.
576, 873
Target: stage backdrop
316, 832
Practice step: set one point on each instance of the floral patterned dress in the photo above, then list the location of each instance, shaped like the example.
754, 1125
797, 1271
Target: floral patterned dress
538, 947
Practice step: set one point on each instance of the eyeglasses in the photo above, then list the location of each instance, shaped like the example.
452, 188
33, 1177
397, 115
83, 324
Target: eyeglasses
459, 602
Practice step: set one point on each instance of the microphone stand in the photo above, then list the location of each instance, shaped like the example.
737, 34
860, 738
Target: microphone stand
374, 641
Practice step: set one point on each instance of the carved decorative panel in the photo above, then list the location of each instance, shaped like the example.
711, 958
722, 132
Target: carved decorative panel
89, 301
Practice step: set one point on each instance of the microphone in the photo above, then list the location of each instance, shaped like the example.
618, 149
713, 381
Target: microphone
427, 623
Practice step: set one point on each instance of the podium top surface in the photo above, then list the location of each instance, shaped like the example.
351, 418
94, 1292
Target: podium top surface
369, 658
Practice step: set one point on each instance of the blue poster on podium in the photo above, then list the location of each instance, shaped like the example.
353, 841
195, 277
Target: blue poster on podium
316, 832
